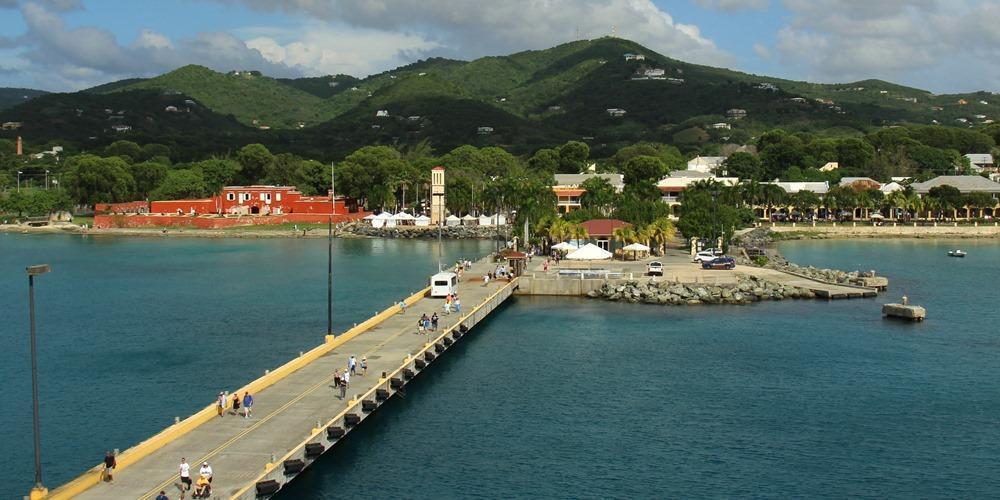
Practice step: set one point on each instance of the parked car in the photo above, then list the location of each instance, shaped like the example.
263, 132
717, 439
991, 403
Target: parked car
719, 263
654, 268
705, 255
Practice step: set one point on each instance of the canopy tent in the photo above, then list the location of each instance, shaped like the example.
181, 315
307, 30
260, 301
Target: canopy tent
422, 221
485, 220
469, 220
876, 215
451, 220
381, 220
590, 251
403, 216
369, 217
636, 247
565, 246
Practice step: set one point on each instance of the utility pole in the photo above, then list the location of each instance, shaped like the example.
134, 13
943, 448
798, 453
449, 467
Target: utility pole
329, 255
38, 491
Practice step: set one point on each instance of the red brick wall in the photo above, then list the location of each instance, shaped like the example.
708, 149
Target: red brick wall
211, 222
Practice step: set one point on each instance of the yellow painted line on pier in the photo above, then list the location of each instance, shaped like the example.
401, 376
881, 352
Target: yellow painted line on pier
369, 392
92, 477
276, 412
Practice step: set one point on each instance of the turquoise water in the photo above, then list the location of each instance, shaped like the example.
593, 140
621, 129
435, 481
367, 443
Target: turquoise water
550, 398
133, 331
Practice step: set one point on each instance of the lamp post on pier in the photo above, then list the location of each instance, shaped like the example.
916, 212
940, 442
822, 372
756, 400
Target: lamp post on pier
38, 491
329, 256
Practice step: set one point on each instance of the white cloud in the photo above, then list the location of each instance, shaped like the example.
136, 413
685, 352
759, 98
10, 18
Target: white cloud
934, 44
318, 48
762, 51
469, 29
55, 57
734, 5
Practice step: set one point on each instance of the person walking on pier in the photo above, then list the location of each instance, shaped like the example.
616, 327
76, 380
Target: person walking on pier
247, 405
364, 366
162, 495
109, 467
236, 403
402, 307
352, 365
343, 388
206, 471
185, 473
434, 321
336, 378
220, 403
458, 305
345, 381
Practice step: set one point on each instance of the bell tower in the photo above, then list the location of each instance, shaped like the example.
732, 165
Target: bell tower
437, 196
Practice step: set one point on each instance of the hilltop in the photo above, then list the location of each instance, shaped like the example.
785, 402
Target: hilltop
10, 96
607, 91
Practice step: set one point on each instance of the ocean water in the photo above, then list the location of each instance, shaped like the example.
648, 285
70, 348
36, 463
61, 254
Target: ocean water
550, 398
134, 331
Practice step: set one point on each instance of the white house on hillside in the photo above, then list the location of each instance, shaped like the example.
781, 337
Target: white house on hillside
705, 164
981, 162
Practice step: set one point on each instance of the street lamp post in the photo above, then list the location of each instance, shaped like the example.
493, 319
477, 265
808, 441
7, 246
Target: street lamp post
19, 180
329, 255
38, 491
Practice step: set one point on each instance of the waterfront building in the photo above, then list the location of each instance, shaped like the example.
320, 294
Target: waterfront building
568, 188
676, 182
601, 232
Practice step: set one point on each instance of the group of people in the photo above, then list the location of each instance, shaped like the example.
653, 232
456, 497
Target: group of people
202, 487
427, 324
452, 303
246, 402
342, 381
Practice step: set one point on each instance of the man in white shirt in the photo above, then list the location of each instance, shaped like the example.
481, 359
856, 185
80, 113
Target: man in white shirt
185, 471
346, 379
206, 470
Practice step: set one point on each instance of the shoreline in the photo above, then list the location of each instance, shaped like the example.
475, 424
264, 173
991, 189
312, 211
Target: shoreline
786, 233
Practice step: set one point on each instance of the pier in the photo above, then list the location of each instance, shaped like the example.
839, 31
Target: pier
297, 414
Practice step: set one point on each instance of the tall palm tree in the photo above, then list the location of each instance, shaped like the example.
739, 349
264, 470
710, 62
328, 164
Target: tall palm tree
578, 232
625, 235
559, 230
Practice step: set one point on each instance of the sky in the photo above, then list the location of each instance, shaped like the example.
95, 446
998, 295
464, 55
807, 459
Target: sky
66, 45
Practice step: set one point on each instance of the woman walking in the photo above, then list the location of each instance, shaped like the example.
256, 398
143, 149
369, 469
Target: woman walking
236, 403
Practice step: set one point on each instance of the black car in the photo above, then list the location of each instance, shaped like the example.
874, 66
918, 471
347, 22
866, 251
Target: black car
719, 263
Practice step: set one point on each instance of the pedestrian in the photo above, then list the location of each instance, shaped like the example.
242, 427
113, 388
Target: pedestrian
420, 327
364, 366
336, 378
109, 466
220, 403
427, 323
247, 405
206, 471
447, 305
343, 389
458, 305
402, 307
236, 403
352, 365
434, 321
346, 380
486, 279
162, 496
185, 473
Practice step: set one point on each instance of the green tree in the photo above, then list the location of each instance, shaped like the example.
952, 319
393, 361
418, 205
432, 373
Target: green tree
545, 160
949, 197
707, 211
600, 195
366, 174
153, 150
181, 184
147, 176
573, 157
92, 179
36, 202
855, 155
127, 150
254, 161
670, 156
744, 166
643, 168
217, 173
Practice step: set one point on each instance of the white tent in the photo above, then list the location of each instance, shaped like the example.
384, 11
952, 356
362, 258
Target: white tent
501, 220
369, 217
422, 221
404, 219
636, 247
485, 220
567, 246
590, 251
451, 220
383, 220
469, 220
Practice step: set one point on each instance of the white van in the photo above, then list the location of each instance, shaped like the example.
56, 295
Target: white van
443, 284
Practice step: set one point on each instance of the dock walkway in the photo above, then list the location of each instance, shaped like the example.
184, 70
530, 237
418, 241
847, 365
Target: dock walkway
297, 409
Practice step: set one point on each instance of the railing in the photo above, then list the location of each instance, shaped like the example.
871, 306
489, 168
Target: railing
353, 405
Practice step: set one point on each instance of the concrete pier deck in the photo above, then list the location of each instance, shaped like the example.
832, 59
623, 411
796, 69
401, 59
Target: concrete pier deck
297, 409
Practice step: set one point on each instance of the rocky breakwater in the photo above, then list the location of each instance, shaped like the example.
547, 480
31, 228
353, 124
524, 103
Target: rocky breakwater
744, 291
818, 274
411, 232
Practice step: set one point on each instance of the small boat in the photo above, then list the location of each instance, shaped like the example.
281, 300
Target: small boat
956, 253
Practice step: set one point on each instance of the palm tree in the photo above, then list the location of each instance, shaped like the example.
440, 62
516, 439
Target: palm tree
914, 204
578, 232
661, 231
897, 200
625, 235
559, 230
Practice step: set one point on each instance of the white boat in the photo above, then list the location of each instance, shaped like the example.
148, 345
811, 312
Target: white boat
956, 253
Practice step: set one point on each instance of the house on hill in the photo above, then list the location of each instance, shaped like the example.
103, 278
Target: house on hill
615, 112
981, 162
736, 113
705, 164
634, 57
484, 130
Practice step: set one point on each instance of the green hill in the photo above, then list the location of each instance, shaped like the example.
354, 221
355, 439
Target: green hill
252, 99
530, 99
10, 96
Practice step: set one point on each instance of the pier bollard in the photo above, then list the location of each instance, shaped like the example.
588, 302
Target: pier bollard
301, 353
267, 372
177, 420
